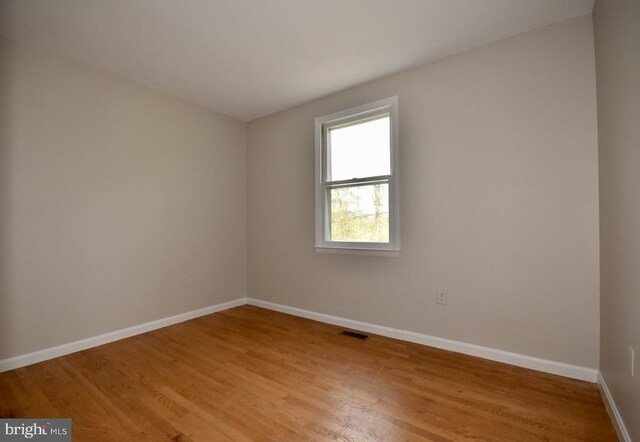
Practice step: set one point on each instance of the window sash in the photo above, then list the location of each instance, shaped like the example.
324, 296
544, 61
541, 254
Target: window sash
351, 183
352, 120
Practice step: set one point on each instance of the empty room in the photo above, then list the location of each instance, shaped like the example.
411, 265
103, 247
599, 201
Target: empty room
294, 220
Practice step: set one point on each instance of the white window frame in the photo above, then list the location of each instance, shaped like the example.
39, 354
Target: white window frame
322, 125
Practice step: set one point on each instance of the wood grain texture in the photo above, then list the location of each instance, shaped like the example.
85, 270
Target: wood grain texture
250, 374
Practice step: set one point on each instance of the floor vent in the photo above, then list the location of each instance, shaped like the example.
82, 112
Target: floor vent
354, 335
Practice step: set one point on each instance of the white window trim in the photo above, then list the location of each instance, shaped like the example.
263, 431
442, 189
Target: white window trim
323, 244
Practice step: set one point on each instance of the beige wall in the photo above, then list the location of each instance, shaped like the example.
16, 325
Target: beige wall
499, 202
617, 37
111, 197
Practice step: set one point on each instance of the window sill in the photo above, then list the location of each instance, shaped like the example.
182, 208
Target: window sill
362, 252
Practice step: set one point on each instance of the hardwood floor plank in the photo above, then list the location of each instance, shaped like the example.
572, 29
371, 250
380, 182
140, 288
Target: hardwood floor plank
250, 374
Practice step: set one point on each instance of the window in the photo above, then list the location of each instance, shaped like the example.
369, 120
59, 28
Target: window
357, 179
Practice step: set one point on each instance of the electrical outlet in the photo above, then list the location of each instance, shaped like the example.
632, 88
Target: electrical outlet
632, 361
442, 297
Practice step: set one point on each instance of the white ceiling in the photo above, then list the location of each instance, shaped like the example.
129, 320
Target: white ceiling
249, 58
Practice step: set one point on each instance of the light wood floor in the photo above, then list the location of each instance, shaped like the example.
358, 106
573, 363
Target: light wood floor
250, 374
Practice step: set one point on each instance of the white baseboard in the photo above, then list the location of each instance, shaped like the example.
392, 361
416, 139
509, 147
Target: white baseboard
547, 366
553, 367
616, 417
83, 344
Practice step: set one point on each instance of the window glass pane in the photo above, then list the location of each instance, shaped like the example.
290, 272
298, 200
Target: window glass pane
360, 213
359, 151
